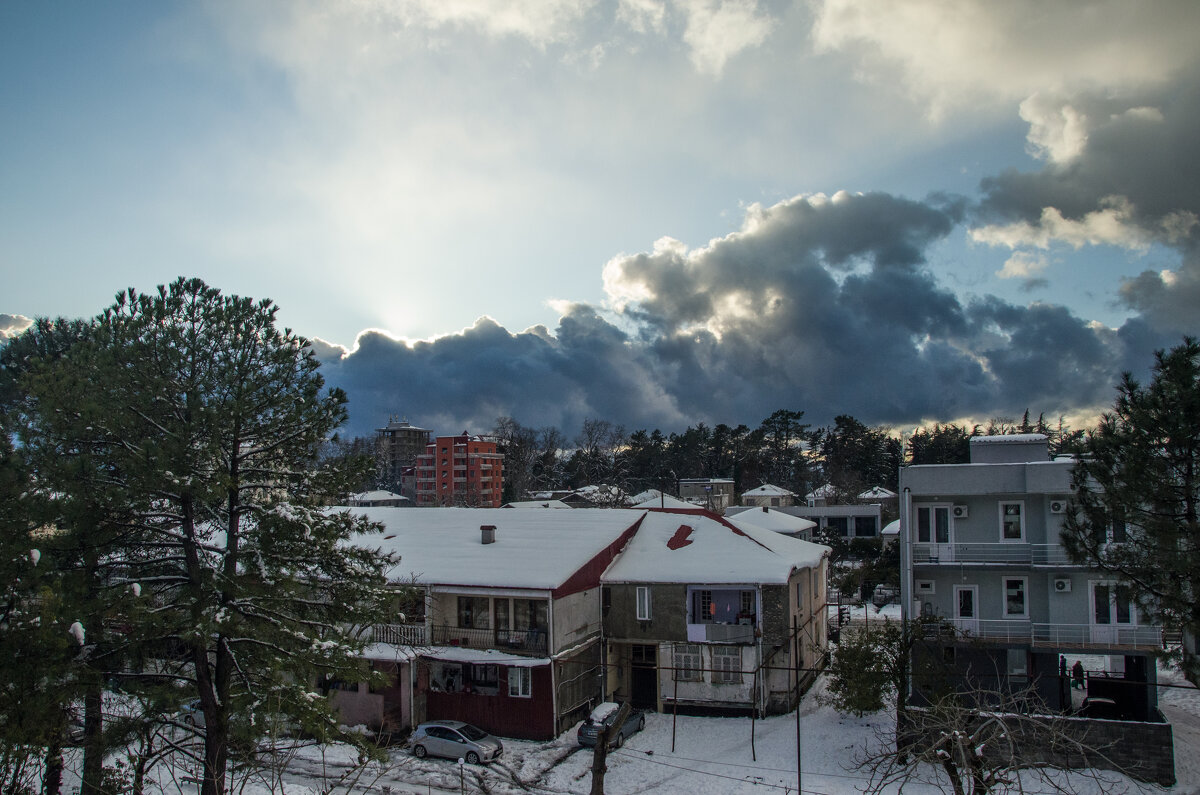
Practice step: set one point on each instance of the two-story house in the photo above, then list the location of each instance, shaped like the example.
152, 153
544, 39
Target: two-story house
981, 549
705, 616
508, 636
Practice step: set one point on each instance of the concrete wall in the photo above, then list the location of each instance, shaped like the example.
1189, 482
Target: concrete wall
575, 618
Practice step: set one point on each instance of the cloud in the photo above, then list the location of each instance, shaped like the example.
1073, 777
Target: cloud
13, 325
970, 53
819, 303
717, 30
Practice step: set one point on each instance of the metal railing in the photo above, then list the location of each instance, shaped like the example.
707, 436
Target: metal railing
1028, 554
1092, 636
517, 641
399, 634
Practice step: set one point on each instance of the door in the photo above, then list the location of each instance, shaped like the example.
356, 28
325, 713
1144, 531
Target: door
934, 529
643, 680
1112, 611
966, 608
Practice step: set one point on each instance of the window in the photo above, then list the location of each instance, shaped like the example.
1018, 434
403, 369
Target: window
933, 524
747, 606
643, 603
687, 662
705, 607
800, 596
1018, 665
1012, 521
925, 587
838, 524
727, 665
473, 612
520, 683
1015, 603
864, 526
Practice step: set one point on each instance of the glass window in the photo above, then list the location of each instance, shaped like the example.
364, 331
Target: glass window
747, 606
473, 612
1014, 597
643, 603
838, 524
687, 662
520, 682
704, 608
529, 614
727, 665
924, 523
864, 526
1012, 521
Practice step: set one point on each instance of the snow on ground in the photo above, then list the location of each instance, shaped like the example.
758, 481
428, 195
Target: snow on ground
712, 756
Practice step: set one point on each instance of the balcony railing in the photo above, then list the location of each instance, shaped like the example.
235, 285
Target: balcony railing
1026, 554
399, 634
1062, 636
517, 641
720, 633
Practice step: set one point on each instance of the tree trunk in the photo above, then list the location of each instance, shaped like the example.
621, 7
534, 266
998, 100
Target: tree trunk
93, 737
52, 778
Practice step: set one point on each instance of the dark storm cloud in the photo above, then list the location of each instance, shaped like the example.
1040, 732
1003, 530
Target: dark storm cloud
816, 304
1141, 161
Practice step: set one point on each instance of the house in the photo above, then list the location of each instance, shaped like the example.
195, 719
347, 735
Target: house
773, 519
981, 549
715, 494
461, 470
507, 631
705, 616
379, 499
770, 496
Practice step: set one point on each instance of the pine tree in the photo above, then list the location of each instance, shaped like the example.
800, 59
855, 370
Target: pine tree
207, 422
1136, 504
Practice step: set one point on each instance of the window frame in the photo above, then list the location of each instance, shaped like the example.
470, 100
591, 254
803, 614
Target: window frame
1004, 581
644, 607
1020, 539
687, 662
523, 682
723, 672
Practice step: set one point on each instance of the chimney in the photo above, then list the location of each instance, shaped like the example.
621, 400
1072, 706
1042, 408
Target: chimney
487, 533
765, 509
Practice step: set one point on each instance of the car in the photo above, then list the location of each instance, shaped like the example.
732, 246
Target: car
192, 713
454, 739
603, 716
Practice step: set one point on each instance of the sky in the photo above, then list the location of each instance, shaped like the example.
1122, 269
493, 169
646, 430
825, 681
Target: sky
655, 212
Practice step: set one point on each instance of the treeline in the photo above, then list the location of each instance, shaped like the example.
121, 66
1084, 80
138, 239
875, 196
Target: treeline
783, 450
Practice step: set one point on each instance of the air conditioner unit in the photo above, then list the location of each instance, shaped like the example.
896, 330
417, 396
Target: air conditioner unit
960, 512
1062, 584
1058, 506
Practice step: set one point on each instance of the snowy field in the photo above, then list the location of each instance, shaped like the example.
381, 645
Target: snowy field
711, 756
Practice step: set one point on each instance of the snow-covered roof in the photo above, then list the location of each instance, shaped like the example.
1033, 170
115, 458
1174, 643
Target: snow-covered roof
698, 547
482, 656
533, 549
824, 492
661, 500
388, 652
376, 496
536, 504
770, 519
891, 529
877, 493
767, 490
1009, 438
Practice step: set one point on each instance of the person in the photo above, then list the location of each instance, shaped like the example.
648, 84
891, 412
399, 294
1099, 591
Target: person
1077, 675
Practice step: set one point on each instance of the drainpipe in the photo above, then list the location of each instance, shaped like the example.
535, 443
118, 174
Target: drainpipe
550, 656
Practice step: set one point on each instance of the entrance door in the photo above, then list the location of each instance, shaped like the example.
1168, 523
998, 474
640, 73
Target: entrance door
1112, 611
966, 608
933, 528
643, 684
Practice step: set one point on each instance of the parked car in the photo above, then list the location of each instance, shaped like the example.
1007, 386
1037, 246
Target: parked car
603, 716
454, 739
192, 713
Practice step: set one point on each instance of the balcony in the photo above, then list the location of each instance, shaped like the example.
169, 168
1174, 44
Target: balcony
399, 634
1015, 554
1099, 638
720, 633
530, 642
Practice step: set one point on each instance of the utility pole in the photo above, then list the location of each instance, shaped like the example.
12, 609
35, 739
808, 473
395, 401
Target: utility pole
600, 755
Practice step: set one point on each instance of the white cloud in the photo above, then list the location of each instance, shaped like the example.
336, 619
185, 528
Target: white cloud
1023, 265
540, 22
643, 16
12, 325
967, 53
717, 30
1112, 225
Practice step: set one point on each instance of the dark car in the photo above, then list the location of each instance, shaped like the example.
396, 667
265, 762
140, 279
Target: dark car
454, 739
603, 716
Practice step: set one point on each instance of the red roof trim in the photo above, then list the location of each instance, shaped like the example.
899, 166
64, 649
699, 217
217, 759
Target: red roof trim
680, 539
